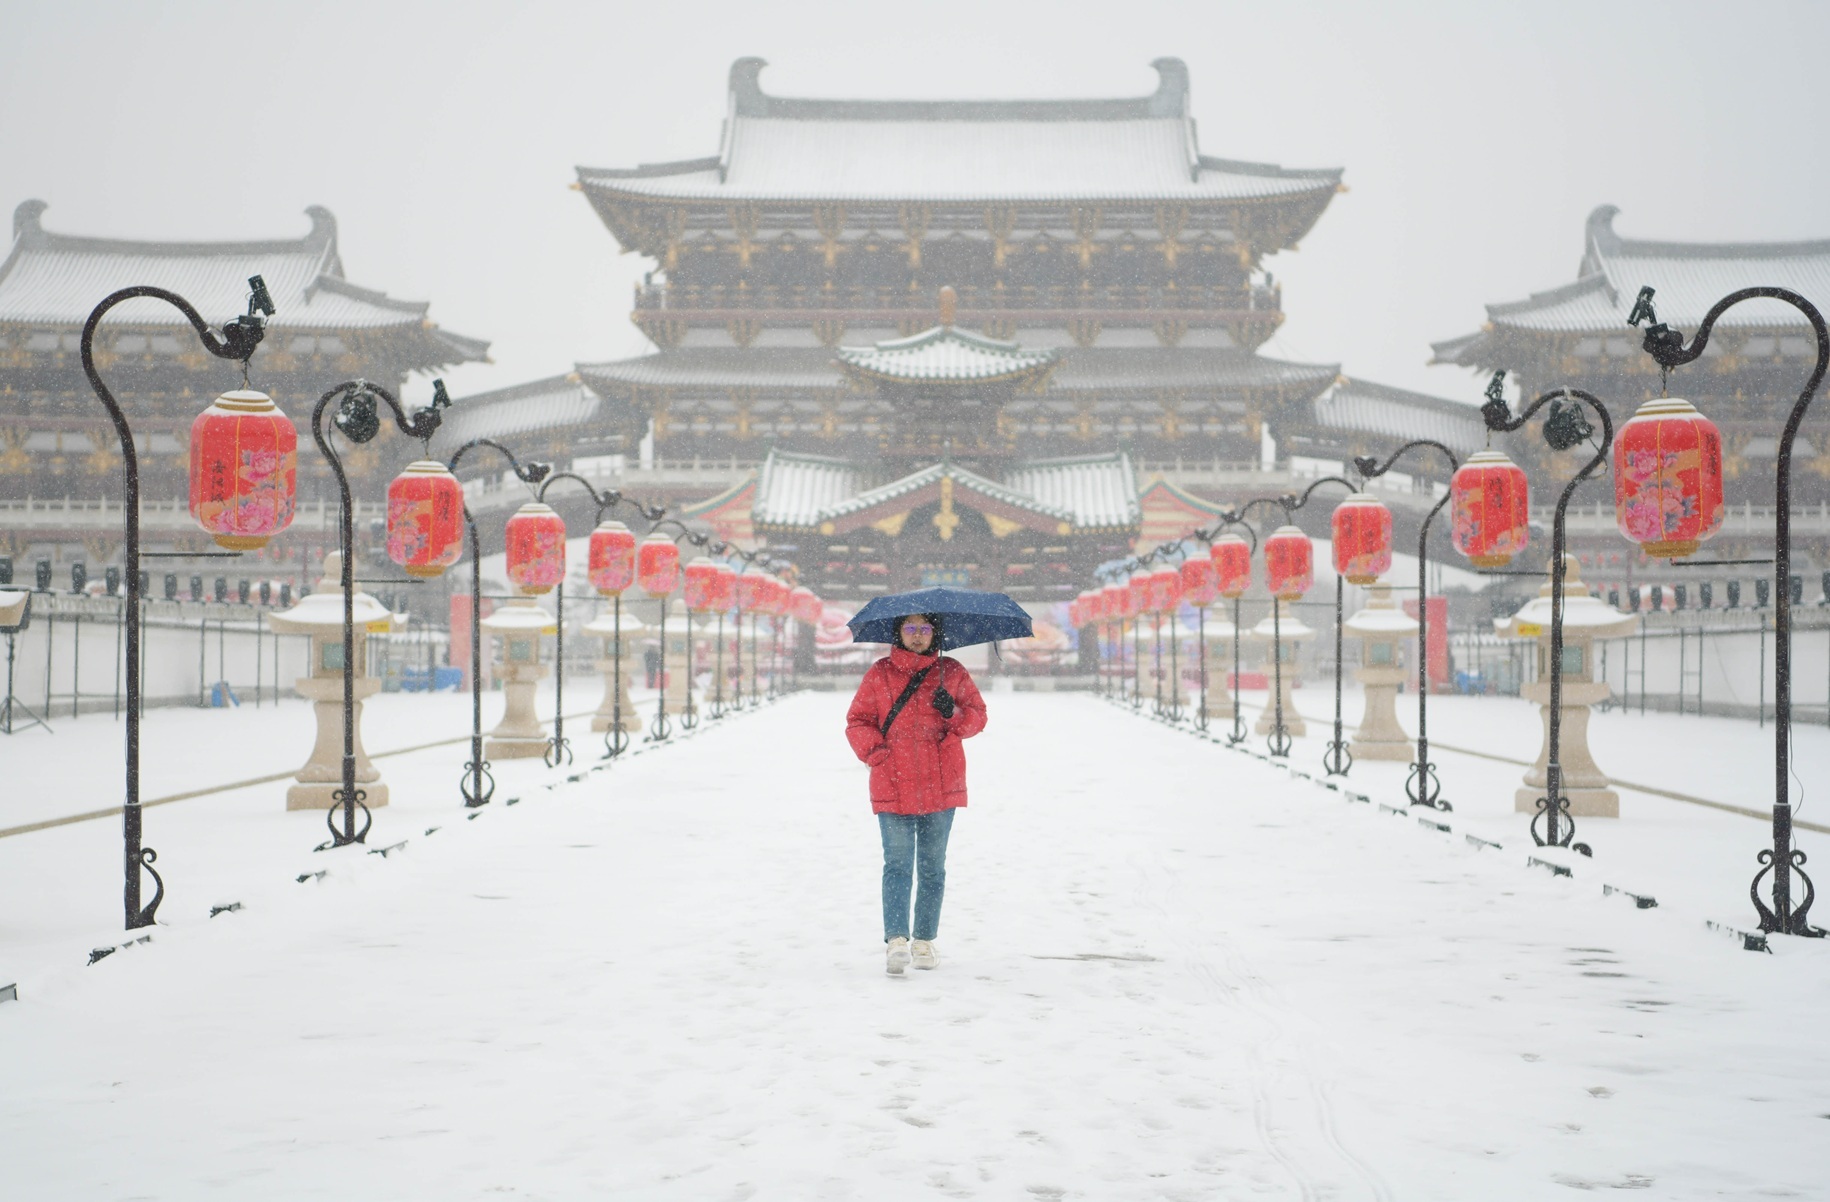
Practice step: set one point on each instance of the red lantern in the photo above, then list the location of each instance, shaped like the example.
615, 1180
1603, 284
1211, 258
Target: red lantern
1490, 509
1116, 597
425, 519
804, 606
1232, 559
536, 548
1289, 563
244, 470
775, 600
1165, 590
1138, 594
1200, 581
1668, 478
701, 577
724, 588
1362, 539
612, 560
657, 565
750, 590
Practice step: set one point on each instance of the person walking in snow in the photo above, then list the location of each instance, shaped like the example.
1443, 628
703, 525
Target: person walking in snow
907, 721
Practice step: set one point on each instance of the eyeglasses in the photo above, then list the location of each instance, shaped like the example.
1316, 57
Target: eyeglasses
917, 629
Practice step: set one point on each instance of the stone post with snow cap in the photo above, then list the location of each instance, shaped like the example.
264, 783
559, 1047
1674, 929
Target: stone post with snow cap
320, 616
1382, 629
1293, 635
519, 625
1586, 618
605, 627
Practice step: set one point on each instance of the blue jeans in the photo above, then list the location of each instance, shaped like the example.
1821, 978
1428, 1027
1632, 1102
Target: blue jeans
914, 845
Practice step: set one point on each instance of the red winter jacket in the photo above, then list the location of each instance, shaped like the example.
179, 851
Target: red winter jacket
922, 767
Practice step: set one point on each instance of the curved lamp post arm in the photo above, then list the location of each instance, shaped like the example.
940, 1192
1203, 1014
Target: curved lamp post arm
358, 419
1666, 346
1423, 788
1564, 428
237, 341
481, 784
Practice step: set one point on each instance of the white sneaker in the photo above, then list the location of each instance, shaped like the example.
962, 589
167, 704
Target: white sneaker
898, 956
923, 953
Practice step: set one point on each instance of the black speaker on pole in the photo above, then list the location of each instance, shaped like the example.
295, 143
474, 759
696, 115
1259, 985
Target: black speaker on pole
1706, 594
6, 570
242, 588
41, 572
266, 593
171, 586
111, 581
79, 577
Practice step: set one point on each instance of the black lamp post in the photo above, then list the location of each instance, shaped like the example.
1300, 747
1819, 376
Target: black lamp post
559, 751
1666, 345
1564, 427
1422, 787
1232, 518
1278, 742
477, 785
357, 420
689, 713
237, 341
1337, 759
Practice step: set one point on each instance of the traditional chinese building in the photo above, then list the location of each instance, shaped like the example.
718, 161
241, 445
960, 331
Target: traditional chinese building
1096, 380
56, 439
1758, 358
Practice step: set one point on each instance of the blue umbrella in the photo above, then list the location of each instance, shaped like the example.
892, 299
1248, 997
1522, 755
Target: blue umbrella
969, 617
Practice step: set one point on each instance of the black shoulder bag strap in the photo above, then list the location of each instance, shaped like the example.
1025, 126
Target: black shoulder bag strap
908, 691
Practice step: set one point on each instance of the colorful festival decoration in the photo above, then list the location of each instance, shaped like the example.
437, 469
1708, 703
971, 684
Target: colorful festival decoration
1668, 478
1200, 581
1165, 590
1289, 563
536, 548
1232, 560
1490, 509
701, 585
244, 470
1362, 528
657, 565
611, 565
425, 519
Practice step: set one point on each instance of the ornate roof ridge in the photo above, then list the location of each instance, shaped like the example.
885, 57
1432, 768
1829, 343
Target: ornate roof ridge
1602, 243
1169, 100
1582, 286
29, 231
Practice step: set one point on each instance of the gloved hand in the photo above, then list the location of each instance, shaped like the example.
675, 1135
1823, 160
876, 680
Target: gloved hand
943, 702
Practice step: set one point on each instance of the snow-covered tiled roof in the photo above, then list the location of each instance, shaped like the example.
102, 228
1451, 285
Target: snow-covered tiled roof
945, 354
556, 403
778, 148
1098, 490
1090, 369
1362, 407
56, 279
932, 474
797, 490
1688, 277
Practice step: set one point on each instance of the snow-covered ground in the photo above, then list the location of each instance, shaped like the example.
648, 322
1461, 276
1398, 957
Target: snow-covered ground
1169, 970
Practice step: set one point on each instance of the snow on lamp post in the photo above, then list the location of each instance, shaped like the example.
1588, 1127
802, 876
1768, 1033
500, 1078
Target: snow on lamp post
477, 784
657, 570
1200, 587
1137, 604
1584, 618
1289, 568
1111, 610
1565, 427
358, 419
724, 599
319, 784
1666, 346
237, 341
1422, 787
1380, 625
1232, 559
1363, 526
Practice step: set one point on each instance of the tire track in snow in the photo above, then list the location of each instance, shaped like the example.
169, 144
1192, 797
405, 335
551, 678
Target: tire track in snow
1242, 990
1227, 994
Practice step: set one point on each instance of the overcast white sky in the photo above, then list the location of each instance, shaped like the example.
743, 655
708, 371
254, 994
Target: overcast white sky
1475, 136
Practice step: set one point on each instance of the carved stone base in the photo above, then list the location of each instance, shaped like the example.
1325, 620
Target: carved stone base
1401, 751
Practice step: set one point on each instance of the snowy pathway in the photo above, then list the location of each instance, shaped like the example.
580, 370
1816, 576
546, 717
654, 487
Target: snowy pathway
1168, 971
